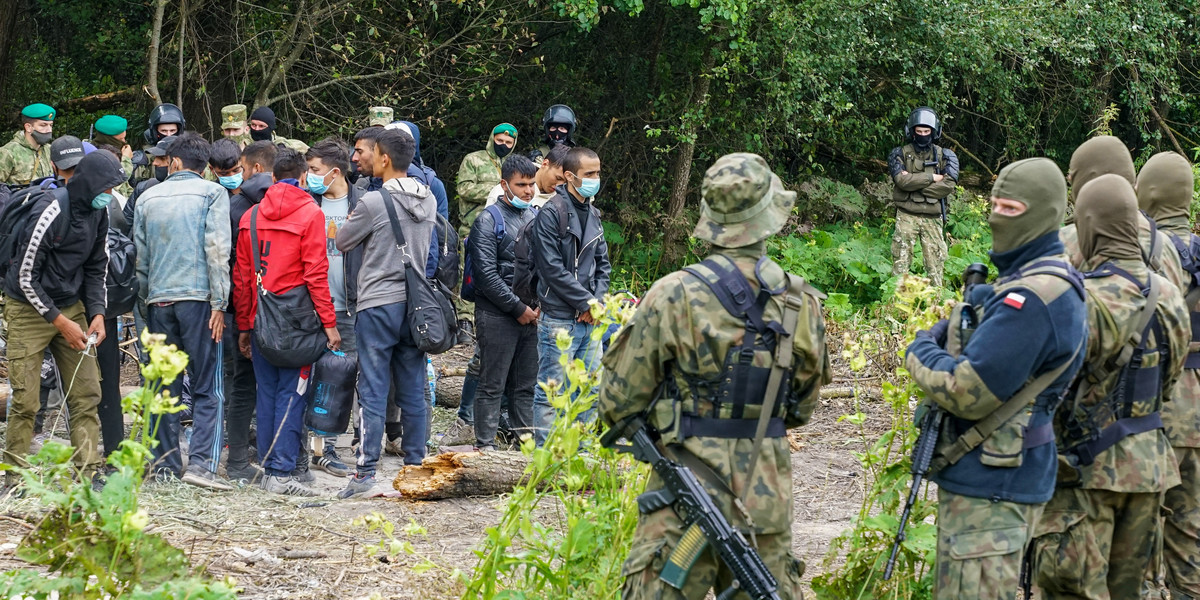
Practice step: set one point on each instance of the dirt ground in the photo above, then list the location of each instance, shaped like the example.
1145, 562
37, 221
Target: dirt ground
277, 547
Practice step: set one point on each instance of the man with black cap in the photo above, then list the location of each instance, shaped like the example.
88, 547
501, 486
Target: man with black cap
56, 300
995, 461
262, 128
27, 156
924, 175
65, 154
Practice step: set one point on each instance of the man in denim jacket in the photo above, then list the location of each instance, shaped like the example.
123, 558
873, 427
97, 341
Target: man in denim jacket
181, 230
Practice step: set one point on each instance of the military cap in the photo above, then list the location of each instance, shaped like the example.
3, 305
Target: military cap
38, 111
111, 125
742, 202
381, 115
66, 151
233, 116
505, 128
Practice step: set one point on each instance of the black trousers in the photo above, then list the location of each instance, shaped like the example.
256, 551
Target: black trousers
108, 355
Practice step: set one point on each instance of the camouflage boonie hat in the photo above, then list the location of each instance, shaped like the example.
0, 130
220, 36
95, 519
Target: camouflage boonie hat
381, 115
742, 203
233, 116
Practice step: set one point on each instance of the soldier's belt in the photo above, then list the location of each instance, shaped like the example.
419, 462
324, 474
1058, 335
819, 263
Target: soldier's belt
693, 426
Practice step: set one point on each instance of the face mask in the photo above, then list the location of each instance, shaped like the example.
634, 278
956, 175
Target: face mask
316, 183
101, 200
558, 137
922, 141
42, 138
502, 150
515, 201
230, 182
588, 187
160, 173
261, 135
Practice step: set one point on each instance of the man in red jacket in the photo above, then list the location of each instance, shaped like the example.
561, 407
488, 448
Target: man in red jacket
291, 239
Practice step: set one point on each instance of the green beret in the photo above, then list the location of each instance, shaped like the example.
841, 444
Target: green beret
111, 125
505, 128
38, 111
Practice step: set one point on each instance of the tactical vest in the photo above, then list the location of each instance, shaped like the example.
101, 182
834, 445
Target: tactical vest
1189, 255
718, 406
1134, 403
916, 202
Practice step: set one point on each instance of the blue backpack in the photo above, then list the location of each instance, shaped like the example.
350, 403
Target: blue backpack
467, 292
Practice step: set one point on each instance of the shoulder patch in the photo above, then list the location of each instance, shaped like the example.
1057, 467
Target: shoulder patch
1014, 300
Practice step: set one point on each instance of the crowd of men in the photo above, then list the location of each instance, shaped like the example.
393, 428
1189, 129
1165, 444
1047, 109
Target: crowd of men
215, 225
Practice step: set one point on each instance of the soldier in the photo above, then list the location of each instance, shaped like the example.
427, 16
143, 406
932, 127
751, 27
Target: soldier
480, 172
113, 130
27, 156
924, 175
262, 128
682, 340
233, 125
1164, 191
1101, 530
165, 120
380, 116
995, 461
558, 127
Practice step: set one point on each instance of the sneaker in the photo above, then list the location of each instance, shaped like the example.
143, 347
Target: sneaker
303, 475
466, 331
204, 478
357, 487
99, 480
330, 463
487, 448
392, 447
247, 473
461, 432
287, 486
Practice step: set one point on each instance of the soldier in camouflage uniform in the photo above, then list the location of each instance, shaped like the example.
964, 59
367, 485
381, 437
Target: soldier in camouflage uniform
681, 338
113, 131
995, 459
27, 156
262, 128
381, 116
1100, 532
479, 173
1164, 190
233, 125
924, 175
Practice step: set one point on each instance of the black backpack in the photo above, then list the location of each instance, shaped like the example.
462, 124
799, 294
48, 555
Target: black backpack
525, 278
448, 263
16, 215
122, 281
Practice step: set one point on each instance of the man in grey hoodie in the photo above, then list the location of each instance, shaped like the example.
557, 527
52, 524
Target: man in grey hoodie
393, 359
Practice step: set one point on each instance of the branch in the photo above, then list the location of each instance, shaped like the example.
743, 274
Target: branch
1167, 130
155, 43
277, 61
183, 19
325, 84
969, 154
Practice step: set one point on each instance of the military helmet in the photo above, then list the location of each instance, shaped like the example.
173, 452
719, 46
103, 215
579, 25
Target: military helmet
167, 113
561, 114
923, 116
742, 202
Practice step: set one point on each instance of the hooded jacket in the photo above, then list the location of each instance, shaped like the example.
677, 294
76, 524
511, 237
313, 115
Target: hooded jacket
574, 269
352, 260
477, 175
419, 171
292, 247
181, 230
494, 260
62, 255
21, 163
381, 276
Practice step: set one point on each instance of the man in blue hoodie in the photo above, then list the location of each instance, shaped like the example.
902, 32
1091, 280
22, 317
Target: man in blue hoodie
1033, 329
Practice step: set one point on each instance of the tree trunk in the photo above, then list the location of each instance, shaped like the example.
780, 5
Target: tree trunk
461, 474
8, 36
183, 21
681, 170
155, 43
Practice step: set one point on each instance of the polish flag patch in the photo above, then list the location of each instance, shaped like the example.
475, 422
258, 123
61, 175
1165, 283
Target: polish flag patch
1014, 300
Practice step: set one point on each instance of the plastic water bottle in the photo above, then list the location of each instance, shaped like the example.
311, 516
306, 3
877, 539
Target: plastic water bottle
431, 381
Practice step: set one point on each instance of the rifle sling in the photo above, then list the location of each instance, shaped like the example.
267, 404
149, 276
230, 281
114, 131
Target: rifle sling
973, 437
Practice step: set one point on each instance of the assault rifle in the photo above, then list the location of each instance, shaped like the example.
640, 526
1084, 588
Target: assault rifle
931, 424
684, 493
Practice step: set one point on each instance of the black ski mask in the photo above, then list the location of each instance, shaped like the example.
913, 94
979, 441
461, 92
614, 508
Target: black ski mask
266, 115
922, 141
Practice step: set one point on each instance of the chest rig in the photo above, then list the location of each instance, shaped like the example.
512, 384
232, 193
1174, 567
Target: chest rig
730, 404
1133, 405
1189, 255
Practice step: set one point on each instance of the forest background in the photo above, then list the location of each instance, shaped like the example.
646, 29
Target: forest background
820, 88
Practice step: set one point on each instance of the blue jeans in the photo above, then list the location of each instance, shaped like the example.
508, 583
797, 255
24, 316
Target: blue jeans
582, 347
388, 359
280, 404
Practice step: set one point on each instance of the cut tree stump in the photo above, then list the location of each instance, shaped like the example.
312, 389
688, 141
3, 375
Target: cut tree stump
461, 474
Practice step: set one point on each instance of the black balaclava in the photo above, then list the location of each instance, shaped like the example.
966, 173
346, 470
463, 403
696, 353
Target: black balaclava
266, 115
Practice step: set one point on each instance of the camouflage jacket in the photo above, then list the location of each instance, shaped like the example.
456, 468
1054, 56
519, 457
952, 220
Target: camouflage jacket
681, 327
1142, 462
477, 175
21, 164
914, 190
1182, 414
296, 145
1160, 260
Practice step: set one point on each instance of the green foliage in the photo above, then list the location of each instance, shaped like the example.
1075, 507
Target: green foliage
885, 458
94, 542
588, 491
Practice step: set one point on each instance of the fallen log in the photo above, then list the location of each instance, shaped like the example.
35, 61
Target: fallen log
461, 474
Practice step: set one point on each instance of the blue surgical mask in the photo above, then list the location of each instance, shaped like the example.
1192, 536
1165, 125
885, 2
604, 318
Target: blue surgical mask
588, 187
102, 200
316, 183
514, 200
230, 182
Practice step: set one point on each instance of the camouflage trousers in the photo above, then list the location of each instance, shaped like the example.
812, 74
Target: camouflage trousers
1181, 529
1096, 544
656, 537
980, 547
928, 230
